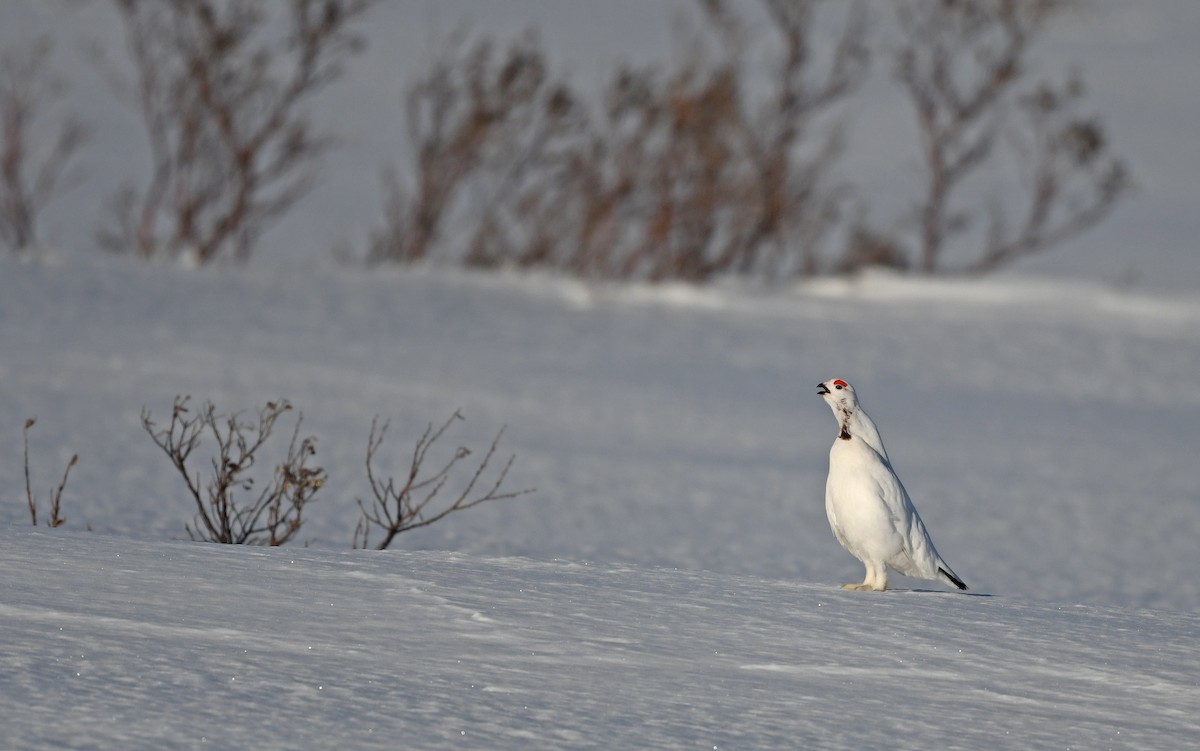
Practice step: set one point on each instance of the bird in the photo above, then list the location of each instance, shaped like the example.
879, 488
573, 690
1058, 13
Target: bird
868, 508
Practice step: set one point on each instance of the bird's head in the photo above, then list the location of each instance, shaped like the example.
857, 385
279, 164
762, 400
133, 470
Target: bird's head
839, 395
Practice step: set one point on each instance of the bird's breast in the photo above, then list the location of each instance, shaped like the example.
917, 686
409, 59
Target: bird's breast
852, 455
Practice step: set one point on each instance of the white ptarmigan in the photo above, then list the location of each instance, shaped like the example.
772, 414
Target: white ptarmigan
869, 509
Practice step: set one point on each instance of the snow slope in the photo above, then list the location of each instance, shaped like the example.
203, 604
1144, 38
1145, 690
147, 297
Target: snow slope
1047, 434
673, 583
119, 643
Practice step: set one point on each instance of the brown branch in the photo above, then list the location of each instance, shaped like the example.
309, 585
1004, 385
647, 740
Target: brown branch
30, 177
221, 104
275, 515
29, 423
397, 509
56, 518
961, 65
686, 173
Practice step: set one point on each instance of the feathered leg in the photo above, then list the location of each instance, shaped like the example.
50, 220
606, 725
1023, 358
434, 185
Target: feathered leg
875, 580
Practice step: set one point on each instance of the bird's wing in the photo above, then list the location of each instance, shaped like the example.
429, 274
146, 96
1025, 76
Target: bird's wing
864, 427
917, 546
890, 490
836, 526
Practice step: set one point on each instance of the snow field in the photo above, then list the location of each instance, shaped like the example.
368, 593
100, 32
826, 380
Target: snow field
117, 643
673, 583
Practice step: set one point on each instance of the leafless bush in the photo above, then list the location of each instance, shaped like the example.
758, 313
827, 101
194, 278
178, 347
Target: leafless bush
473, 123
682, 175
275, 515
414, 502
56, 518
963, 65
33, 170
221, 101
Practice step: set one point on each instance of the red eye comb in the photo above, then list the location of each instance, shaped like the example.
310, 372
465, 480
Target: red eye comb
840, 382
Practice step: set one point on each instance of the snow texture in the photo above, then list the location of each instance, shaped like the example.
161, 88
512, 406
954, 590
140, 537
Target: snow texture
119, 643
673, 583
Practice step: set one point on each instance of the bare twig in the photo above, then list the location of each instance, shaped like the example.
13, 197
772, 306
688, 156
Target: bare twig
275, 515
400, 508
29, 423
1072, 182
56, 517
221, 101
686, 174
30, 177
961, 65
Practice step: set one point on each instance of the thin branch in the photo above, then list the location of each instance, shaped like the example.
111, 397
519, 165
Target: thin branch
56, 517
221, 103
29, 423
31, 177
271, 517
962, 65
394, 510
685, 173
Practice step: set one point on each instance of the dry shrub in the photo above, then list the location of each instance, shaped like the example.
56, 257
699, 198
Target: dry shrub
682, 174
221, 96
56, 516
415, 500
963, 66
34, 168
724, 162
227, 509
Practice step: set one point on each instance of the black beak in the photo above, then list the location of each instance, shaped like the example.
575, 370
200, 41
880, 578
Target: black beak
822, 389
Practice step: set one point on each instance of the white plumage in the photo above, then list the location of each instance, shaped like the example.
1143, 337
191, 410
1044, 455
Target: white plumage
869, 509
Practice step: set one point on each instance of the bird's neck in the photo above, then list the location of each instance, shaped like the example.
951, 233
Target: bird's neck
855, 422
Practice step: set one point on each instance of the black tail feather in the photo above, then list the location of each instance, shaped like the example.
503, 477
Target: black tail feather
953, 579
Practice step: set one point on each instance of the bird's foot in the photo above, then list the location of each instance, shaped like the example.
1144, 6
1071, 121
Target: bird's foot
864, 587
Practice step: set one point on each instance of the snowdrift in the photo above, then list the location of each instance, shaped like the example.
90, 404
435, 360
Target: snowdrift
116, 643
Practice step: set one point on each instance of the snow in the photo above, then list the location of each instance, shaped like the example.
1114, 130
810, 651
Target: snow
657, 431
673, 582
119, 643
